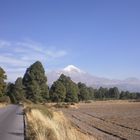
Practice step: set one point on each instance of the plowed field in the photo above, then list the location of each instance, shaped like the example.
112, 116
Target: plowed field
107, 120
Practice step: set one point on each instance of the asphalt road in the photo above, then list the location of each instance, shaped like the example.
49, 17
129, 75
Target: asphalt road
11, 123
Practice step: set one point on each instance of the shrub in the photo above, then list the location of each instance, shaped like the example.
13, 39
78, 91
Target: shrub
88, 101
5, 99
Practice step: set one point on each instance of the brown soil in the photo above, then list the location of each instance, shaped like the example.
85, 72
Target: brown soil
107, 120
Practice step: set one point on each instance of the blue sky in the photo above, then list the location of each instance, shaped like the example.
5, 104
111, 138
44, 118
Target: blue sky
98, 36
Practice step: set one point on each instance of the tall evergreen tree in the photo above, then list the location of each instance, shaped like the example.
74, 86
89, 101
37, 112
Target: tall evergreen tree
35, 83
114, 93
83, 91
57, 92
91, 93
71, 88
3, 77
103, 93
10, 91
19, 91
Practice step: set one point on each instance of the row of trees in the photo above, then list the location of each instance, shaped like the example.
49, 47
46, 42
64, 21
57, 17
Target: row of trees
34, 87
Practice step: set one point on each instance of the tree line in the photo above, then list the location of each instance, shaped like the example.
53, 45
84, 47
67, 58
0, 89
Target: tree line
33, 87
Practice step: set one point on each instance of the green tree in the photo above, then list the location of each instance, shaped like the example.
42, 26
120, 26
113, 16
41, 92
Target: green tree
83, 91
137, 95
114, 93
19, 91
72, 89
91, 93
102, 93
96, 95
3, 77
106, 93
10, 91
57, 92
35, 83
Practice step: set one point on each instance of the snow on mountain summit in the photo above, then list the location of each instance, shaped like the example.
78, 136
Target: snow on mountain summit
72, 69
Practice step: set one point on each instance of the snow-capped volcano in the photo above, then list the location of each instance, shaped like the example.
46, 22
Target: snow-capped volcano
72, 69
78, 75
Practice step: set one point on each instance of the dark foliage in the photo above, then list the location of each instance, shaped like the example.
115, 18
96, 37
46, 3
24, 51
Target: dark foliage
35, 83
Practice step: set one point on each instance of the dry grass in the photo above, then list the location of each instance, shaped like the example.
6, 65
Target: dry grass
57, 127
2, 105
65, 105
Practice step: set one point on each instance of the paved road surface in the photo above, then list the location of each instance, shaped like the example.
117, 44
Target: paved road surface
11, 123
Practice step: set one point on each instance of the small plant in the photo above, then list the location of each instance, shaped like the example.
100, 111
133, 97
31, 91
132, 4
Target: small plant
88, 101
62, 105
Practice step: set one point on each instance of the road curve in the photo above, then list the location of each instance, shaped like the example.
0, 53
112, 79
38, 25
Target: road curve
11, 123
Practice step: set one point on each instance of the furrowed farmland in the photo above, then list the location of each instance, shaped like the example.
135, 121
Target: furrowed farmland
107, 120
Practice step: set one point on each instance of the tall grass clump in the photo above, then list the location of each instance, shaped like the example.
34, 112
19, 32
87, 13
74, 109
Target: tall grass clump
2, 105
51, 126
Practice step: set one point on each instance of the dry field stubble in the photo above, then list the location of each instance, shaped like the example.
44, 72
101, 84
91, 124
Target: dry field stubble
107, 120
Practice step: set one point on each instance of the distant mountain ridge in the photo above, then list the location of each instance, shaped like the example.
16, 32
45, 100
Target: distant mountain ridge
78, 75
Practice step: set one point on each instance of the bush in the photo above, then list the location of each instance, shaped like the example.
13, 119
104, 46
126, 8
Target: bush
5, 99
88, 101
62, 105
72, 103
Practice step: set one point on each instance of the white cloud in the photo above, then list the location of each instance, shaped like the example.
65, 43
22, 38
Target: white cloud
56, 54
15, 57
8, 60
